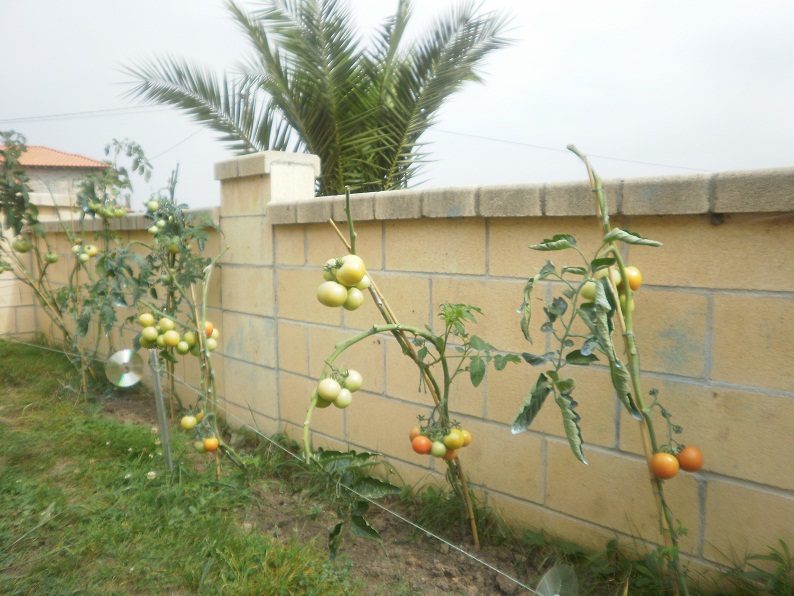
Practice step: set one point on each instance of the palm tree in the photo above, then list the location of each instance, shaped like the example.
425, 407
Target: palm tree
312, 85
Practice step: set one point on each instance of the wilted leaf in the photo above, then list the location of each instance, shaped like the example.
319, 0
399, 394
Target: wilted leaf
556, 242
578, 358
629, 238
532, 404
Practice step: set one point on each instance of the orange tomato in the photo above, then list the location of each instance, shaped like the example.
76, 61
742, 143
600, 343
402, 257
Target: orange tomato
211, 443
208, 328
414, 432
635, 278
421, 445
690, 459
664, 465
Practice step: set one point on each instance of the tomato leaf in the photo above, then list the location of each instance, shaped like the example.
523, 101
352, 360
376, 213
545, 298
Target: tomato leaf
372, 488
361, 528
621, 380
335, 539
500, 361
538, 360
574, 270
526, 310
578, 358
629, 238
602, 263
570, 422
556, 242
476, 370
532, 404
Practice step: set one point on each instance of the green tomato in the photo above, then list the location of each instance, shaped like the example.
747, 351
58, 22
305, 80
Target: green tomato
438, 449
22, 245
182, 348
331, 293
166, 324
352, 271
355, 298
51, 257
328, 389
152, 205
353, 380
588, 291
189, 337
211, 344
344, 399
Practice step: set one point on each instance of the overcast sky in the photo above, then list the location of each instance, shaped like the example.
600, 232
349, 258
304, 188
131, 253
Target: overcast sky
680, 86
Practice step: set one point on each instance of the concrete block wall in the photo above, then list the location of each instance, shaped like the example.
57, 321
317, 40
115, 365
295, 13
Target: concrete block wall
713, 325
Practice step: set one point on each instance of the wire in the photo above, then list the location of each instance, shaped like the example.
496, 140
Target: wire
557, 149
145, 110
87, 114
175, 145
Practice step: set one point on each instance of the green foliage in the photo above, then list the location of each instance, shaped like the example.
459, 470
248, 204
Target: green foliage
16, 210
85, 506
349, 484
772, 573
312, 83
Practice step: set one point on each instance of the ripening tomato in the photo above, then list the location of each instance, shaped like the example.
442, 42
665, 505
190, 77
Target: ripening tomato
421, 444
664, 465
414, 432
166, 324
146, 320
690, 458
635, 278
188, 422
352, 271
450, 455
454, 439
466, 438
613, 273
211, 443
171, 338
208, 328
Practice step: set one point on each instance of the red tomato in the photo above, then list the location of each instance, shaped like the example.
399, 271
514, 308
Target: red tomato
421, 444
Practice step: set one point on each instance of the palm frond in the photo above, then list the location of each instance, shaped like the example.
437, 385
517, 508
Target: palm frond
232, 108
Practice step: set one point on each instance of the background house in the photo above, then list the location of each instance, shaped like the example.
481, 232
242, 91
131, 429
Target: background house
55, 178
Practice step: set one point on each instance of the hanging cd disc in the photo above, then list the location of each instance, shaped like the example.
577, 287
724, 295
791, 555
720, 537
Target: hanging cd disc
124, 368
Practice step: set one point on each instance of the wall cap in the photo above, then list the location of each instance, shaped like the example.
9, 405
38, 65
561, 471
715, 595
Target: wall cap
258, 164
758, 191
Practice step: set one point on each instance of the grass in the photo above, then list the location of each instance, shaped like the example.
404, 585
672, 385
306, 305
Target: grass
87, 507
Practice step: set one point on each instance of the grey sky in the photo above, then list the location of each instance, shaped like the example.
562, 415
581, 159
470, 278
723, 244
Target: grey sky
704, 85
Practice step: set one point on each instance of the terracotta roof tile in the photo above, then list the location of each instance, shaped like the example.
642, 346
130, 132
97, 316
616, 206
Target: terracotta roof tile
44, 157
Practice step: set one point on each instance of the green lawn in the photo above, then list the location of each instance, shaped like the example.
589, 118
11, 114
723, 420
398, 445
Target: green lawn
86, 505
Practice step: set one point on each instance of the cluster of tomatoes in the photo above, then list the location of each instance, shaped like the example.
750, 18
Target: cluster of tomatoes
338, 391
23, 245
633, 276
109, 211
202, 445
438, 443
666, 465
345, 280
84, 252
163, 334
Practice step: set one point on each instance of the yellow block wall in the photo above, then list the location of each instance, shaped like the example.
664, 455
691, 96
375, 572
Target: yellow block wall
713, 323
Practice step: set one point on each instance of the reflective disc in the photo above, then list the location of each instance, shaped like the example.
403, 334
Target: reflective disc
124, 368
